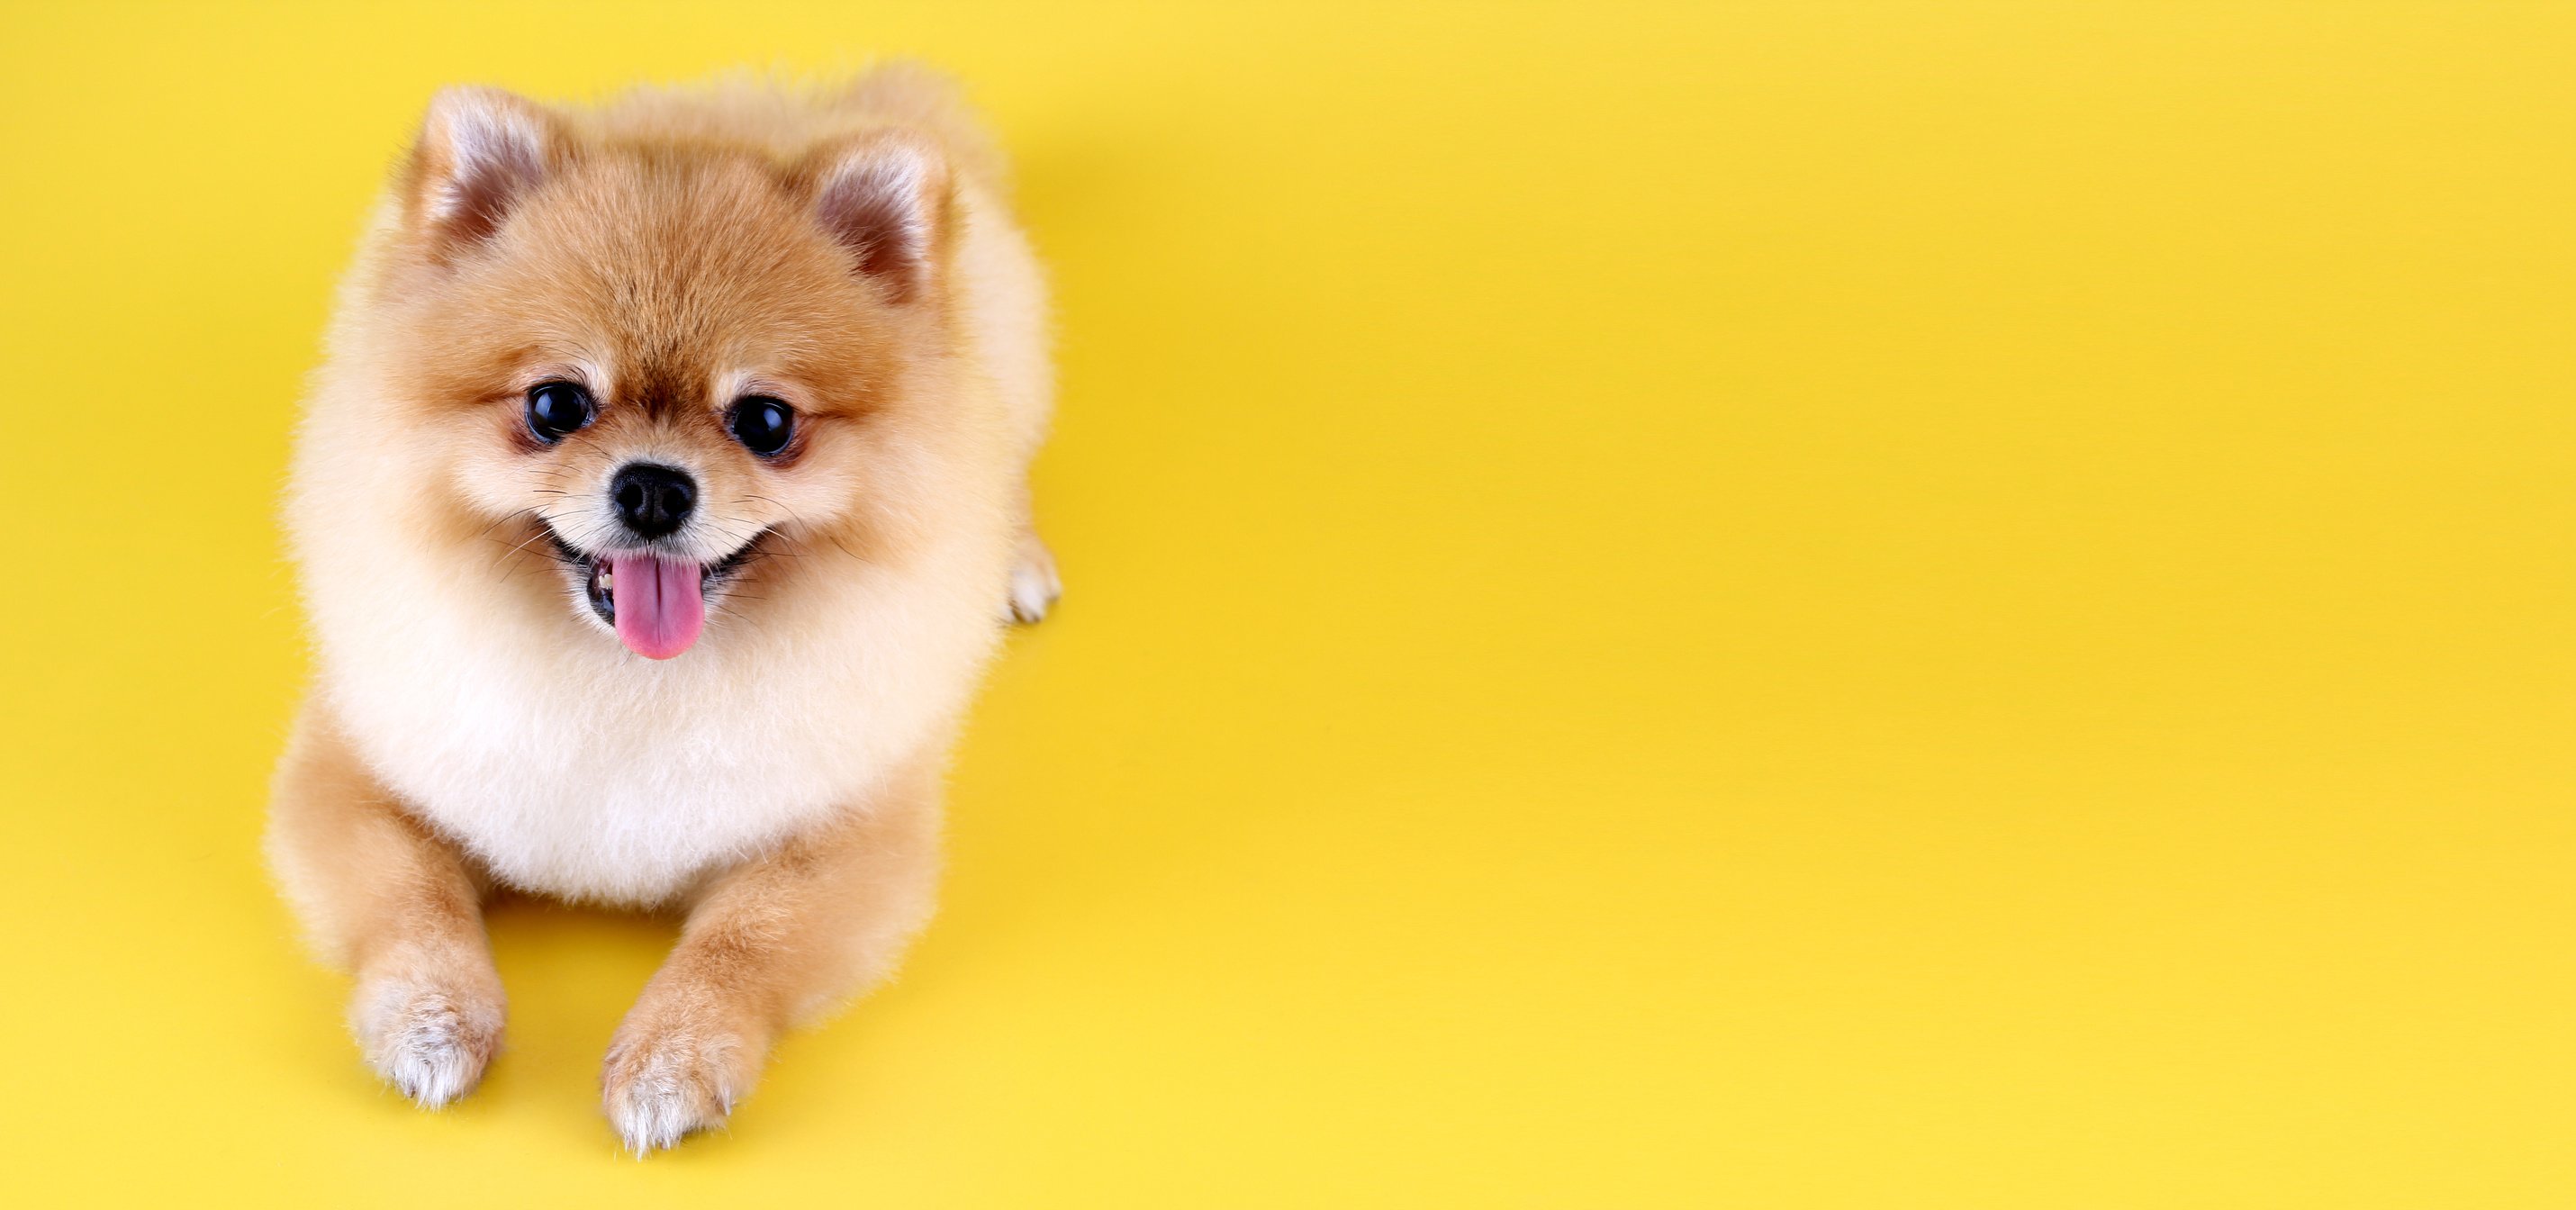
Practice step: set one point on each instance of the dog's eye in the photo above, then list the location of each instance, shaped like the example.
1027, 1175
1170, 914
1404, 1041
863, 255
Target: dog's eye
763, 424
556, 409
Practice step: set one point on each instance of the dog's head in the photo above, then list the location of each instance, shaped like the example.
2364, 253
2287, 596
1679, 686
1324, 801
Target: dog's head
657, 361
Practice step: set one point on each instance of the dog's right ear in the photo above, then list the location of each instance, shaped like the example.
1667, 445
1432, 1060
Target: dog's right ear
885, 196
481, 151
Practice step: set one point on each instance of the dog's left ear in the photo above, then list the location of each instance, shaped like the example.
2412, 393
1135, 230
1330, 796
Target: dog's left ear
481, 151
885, 196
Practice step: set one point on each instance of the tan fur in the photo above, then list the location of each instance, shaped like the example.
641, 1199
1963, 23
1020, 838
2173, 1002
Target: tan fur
473, 725
385, 898
771, 943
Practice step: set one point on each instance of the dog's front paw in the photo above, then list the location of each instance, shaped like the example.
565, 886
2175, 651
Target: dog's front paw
671, 1074
428, 1040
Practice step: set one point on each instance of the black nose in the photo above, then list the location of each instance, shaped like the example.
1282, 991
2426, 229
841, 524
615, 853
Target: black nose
652, 500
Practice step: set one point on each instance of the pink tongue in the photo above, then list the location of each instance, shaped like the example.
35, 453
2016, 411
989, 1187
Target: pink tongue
660, 608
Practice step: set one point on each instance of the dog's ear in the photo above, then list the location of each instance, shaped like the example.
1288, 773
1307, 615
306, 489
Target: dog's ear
885, 196
481, 151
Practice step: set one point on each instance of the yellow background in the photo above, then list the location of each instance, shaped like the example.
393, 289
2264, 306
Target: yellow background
1829, 604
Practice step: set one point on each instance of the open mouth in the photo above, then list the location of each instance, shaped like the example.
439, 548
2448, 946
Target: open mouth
656, 604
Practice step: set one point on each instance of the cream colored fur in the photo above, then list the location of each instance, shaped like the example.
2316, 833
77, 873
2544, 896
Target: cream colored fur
473, 725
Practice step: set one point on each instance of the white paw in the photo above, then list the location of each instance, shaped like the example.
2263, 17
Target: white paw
430, 1043
661, 1086
1034, 583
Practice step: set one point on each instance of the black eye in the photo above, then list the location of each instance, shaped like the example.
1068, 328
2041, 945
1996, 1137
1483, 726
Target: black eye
557, 408
763, 424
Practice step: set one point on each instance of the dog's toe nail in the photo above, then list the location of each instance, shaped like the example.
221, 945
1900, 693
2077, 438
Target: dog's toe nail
659, 1094
432, 1046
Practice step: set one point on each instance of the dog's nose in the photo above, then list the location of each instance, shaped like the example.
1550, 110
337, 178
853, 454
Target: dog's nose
652, 500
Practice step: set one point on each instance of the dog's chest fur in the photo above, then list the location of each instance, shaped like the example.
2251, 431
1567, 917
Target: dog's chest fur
573, 768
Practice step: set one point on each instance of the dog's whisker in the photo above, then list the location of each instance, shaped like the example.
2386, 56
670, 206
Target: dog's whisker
497, 522
523, 545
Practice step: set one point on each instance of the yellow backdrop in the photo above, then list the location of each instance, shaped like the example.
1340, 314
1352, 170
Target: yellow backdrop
1768, 604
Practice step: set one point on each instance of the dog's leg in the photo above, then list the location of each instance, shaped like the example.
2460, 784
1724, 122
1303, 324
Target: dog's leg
772, 943
382, 897
1034, 583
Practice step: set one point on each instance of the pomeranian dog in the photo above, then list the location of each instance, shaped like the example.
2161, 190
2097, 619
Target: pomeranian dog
660, 499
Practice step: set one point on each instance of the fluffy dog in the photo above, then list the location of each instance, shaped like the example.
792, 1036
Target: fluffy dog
659, 500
